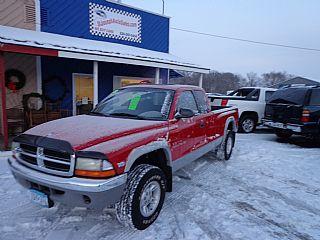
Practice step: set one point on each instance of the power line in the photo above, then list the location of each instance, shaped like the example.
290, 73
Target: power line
247, 40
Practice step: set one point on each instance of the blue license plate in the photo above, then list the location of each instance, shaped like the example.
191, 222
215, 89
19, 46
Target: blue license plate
39, 198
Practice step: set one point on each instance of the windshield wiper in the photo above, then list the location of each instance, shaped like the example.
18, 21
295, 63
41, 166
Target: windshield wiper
98, 114
127, 115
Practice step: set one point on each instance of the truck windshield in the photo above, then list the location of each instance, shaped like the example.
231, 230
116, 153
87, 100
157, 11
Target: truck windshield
137, 103
295, 96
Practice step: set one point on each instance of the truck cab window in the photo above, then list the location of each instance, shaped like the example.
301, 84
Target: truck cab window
243, 92
254, 95
202, 101
186, 100
315, 97
268, 95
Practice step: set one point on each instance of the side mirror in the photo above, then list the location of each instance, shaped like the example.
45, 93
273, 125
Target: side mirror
184, 113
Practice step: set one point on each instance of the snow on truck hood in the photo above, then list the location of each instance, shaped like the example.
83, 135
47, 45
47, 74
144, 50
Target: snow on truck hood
85, 131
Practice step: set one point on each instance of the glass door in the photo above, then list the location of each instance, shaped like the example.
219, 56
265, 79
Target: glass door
82, 93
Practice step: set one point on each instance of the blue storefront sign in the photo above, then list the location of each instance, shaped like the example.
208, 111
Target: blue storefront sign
106, 21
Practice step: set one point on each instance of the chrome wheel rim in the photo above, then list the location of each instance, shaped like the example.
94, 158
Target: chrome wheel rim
150, 198
248, 125
229, 145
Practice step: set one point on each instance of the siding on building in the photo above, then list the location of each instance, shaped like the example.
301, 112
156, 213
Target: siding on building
18, 13
71, 18
297, 80
27, 65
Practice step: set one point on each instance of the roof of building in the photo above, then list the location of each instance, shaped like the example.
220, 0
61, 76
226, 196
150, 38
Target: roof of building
72, 47
261, 88
296, 80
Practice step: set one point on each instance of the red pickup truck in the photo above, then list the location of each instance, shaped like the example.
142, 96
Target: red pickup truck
124, 152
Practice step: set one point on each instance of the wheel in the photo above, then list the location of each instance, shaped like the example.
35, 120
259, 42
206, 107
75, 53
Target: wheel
247, 124
283, 134
229, 144
143, 198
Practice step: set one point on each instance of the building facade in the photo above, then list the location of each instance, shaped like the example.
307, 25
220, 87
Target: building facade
77, 52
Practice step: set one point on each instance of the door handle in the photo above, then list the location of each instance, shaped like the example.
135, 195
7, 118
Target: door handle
202, 124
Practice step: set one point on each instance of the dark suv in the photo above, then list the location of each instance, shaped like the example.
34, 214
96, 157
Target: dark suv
294, 110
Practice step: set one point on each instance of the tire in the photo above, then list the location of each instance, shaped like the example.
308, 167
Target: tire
283, 134
247, 124
136, 208
224, 151
229, 144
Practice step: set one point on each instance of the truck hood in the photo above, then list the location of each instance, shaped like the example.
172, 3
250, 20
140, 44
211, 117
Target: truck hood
85, 131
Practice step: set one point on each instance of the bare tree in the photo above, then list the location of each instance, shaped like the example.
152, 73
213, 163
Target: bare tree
214, 81
218, 82
272, 78
253, 79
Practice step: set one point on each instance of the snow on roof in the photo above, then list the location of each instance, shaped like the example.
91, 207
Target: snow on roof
166, 86
72, 47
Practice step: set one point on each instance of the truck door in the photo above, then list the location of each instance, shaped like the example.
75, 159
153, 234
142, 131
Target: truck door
202, 119
182, 131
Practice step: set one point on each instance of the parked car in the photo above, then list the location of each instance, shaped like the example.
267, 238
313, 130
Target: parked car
124, 152
251, 102
294, 110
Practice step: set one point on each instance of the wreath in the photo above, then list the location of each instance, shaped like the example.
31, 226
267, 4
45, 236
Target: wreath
55, 89
15, 79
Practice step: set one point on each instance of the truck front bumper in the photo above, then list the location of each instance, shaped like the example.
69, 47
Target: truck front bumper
90, 193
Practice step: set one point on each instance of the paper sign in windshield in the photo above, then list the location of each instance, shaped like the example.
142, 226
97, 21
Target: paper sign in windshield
134, 103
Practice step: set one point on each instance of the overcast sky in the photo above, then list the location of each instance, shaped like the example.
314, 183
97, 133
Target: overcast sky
290, 22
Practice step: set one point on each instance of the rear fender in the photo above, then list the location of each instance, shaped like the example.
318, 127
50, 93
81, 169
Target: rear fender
230, 120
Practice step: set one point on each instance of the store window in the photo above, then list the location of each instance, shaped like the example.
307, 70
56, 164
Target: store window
119, 82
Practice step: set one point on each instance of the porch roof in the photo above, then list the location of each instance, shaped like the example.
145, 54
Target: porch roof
77, 48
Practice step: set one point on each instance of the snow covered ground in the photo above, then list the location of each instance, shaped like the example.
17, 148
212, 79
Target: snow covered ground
268, 190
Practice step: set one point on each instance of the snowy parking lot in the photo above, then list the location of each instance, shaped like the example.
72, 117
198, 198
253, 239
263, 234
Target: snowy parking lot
267, 190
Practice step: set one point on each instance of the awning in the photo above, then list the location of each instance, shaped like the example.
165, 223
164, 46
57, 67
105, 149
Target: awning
77, 48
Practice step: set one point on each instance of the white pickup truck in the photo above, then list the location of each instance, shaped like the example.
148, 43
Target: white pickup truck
251, 103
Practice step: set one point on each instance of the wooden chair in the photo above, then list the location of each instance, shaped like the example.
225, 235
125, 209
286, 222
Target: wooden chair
36, 117
55, 111
16, 123
48, 111
35, 112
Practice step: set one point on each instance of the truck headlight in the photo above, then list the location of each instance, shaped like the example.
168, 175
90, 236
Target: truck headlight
95, 168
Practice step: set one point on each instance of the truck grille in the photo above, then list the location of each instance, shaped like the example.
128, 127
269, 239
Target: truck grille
46, 160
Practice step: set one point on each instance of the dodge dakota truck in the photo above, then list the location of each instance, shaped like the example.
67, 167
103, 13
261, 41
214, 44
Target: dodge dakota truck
123, 153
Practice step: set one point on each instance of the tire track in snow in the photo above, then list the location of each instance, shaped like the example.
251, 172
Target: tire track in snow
174, 198
263, 217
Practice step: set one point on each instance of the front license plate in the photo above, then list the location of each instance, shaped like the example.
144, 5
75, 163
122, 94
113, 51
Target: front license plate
39, 198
